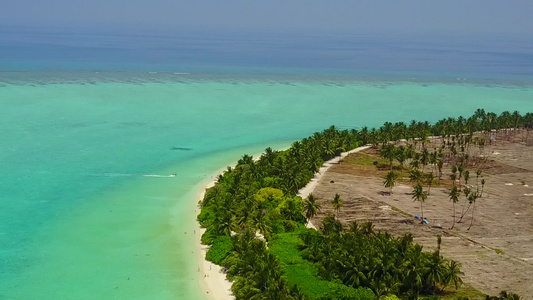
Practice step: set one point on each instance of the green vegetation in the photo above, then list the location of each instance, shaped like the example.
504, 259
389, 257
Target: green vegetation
260, 197
365, 159
390, 180
387, 265
311, 207
304, 273
504, 296
219, 250
498, 251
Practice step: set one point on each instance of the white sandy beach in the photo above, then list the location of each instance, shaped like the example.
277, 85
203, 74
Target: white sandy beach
214, 282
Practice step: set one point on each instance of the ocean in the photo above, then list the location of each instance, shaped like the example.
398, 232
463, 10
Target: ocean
93, 125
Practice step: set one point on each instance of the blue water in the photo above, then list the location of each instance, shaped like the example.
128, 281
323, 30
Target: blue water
494, 57
92, 126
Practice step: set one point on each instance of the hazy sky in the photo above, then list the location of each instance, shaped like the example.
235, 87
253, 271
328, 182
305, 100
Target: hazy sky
485, 17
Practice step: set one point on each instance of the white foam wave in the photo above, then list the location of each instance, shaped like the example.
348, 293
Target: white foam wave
159, 176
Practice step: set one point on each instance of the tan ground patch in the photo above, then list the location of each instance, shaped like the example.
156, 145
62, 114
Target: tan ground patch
496, 253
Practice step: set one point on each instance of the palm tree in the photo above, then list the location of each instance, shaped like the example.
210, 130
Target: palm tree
454, 196
415, 161
453, 270
223, 223
453, 176
401, 156
337, 204
472, 199
291, 209
435, 270
461, 170
466, 192
420, 195
430, 178
440, 164
388, 152
262, 223
311, 207
424, 158
390, 180
367, 228
415, 176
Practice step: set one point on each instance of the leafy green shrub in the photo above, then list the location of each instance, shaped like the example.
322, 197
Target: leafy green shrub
277, 226
206, 216
389, 297
219, 250
504, 295
289, 225
342, 292
209, 236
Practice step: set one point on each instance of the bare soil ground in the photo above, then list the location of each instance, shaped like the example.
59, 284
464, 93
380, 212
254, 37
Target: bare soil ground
496, 253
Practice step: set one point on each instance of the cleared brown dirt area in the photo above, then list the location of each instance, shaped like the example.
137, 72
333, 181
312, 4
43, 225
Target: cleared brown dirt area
496, 253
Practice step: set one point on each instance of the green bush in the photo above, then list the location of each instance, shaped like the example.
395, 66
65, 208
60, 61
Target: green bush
206, 216
304, 273
289, 225
389, 297
209, 236
219, 250
277, 226
342, 292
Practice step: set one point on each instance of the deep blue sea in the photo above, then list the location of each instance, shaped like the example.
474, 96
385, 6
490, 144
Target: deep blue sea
92, 123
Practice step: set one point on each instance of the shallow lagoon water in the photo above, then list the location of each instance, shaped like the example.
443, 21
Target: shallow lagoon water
80, 220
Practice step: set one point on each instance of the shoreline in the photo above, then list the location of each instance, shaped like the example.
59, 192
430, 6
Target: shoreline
214, 282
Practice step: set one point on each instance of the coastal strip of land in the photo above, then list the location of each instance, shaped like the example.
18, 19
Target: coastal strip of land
214, 282
266, 197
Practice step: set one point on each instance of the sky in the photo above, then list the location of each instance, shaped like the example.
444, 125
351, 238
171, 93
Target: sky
446, 17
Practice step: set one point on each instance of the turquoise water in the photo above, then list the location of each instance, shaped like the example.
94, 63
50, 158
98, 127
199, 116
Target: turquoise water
79, 218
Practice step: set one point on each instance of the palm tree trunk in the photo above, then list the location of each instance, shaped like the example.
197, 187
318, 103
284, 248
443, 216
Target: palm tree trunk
422, 210
464, 213
472, 220
453, 217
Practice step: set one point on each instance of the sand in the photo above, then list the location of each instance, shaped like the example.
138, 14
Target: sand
214, 282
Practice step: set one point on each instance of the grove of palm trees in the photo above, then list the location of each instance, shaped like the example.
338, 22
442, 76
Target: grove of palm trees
353, 259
